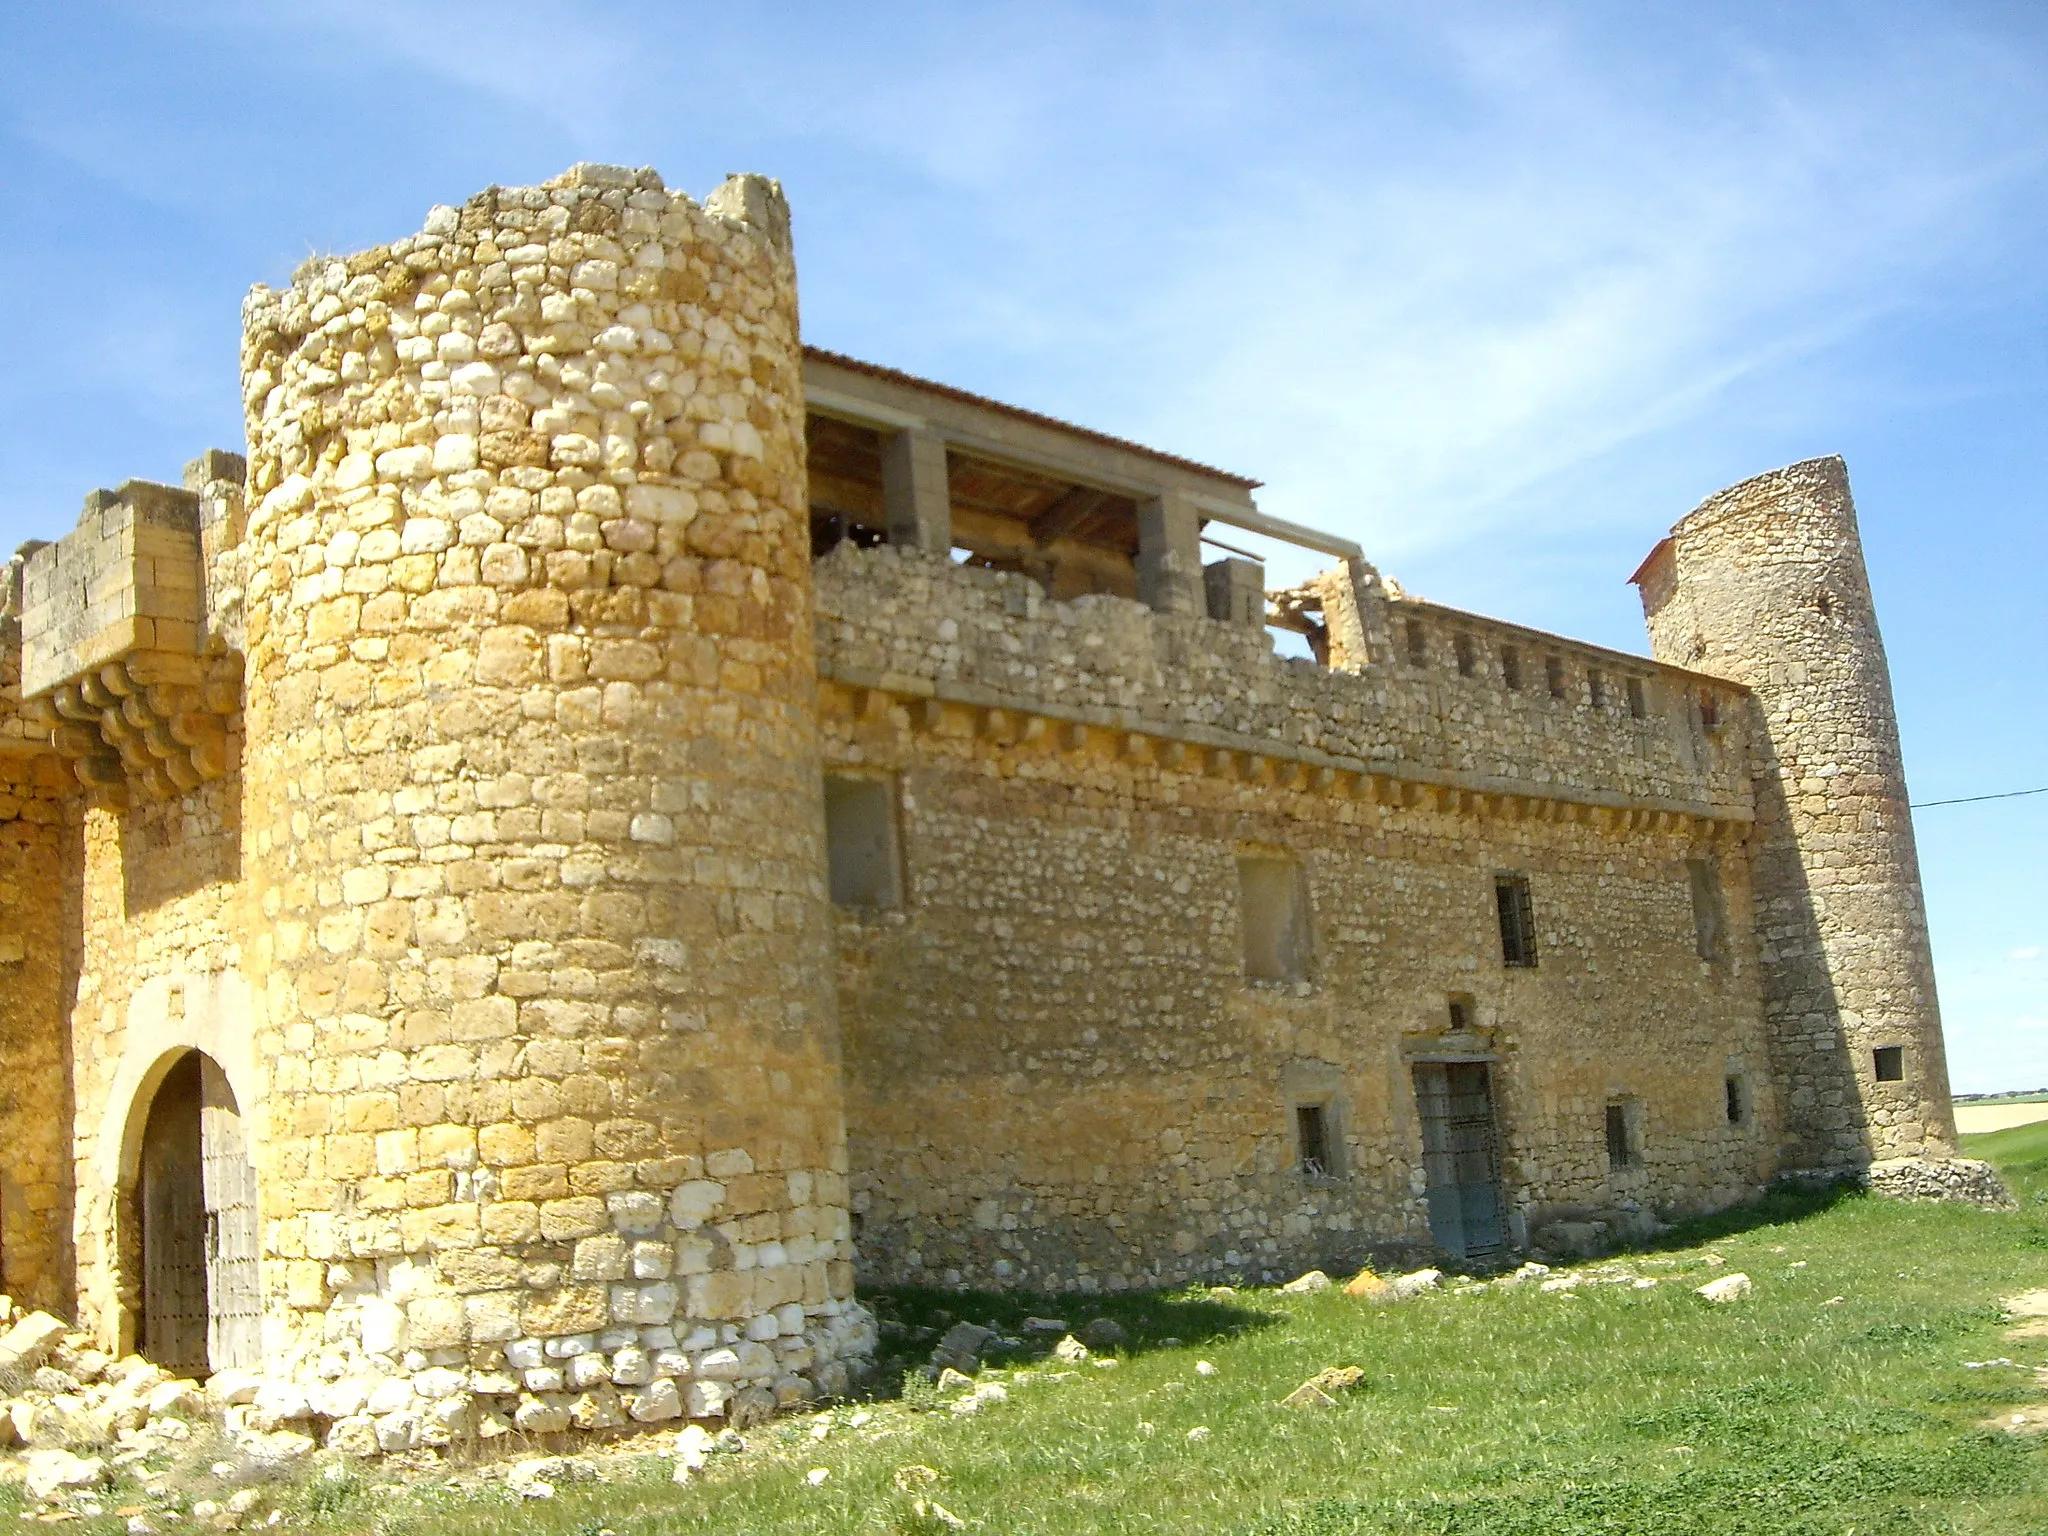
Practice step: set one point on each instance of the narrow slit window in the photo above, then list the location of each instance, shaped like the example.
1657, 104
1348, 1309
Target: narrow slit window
1517, 920
1638, 701
1596, 687
1467, 653
1273, 900
1710, 711
1554, 676
1511, 666
1461, 1013
863, 863
1888, 1063
1312, 1135
1738, 1101
1709, 919
1622, 1151
1418, 644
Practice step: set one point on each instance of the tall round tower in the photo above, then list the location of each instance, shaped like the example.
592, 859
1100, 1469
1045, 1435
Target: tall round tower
533, 820
1764, 583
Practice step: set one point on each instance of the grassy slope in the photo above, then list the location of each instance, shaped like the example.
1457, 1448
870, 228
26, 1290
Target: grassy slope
1505, 1414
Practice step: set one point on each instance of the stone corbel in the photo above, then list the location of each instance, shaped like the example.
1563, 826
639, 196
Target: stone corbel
150, 719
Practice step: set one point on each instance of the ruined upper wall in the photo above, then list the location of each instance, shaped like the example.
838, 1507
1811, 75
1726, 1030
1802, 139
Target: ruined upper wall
916, 626
15, 733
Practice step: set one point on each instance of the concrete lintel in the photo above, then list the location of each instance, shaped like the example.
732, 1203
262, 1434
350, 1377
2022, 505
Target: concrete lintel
1252, 520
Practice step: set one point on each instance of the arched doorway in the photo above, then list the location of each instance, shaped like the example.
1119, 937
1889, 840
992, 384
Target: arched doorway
196, 1191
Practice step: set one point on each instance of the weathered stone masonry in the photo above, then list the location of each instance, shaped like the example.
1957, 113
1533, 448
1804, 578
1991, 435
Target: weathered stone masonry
451, 775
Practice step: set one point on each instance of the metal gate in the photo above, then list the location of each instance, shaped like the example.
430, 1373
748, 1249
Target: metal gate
1460, 1156
234, 1306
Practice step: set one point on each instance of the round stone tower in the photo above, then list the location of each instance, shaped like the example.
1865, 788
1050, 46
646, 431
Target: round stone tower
533, 821
1764, 583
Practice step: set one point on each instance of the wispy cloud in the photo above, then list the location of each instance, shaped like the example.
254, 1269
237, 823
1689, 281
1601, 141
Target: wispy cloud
2026, 954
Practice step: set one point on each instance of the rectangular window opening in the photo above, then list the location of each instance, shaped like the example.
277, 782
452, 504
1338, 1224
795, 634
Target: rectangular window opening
1273, 902
1738, 1101
1517, 920
1418, 644
1709, 920
1596, 687
1468, 655
1461, 1012
1312, 1134
1622, 1151
1554, 676
1511, 666
863, 863
1638, 702
1888, 1063
1710, 711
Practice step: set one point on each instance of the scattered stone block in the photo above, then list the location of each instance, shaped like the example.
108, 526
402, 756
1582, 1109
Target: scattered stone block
1416, 1283
1103, 1333
29, 1342
960, 1347
1324, 1388
1731, 1287
1311, 1284
46, 1471
1368, 1286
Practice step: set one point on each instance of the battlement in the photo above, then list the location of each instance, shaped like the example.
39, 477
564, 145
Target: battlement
1561, 729
126, 579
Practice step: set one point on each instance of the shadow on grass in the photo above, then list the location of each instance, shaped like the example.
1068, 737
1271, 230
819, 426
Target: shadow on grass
913, 1319
1784, 1204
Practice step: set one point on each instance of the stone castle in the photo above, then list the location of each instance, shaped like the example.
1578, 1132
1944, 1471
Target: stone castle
610, 824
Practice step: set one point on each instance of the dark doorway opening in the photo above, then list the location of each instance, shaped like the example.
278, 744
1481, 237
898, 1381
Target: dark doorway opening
1460, 1157
201, 1306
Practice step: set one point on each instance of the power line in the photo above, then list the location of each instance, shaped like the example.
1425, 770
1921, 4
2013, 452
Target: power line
2010, 794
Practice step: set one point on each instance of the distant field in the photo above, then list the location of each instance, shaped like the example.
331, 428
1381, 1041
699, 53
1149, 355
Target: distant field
2002, 1114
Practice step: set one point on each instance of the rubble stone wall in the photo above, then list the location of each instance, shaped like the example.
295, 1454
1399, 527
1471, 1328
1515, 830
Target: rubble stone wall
162, 921
1059, 1074
1765, 583
542, 965
38, 973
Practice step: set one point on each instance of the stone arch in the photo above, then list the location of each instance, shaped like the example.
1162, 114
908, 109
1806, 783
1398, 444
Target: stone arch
175, 1165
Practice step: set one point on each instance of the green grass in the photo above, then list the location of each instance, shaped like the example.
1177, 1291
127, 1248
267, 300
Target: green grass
1504, 1414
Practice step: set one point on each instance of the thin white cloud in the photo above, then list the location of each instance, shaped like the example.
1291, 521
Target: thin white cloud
2025, 954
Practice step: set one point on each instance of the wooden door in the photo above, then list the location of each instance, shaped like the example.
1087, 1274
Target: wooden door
1460, 1156
234, 1303
172, 1196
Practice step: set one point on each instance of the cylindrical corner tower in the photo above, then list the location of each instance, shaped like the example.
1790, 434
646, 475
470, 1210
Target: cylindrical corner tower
1764, 583
533, 821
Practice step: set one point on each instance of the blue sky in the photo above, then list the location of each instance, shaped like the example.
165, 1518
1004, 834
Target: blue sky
1499, 290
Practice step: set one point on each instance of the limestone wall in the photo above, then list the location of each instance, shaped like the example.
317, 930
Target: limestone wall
543, 959
1765, 583
1058, 1071
38, 972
